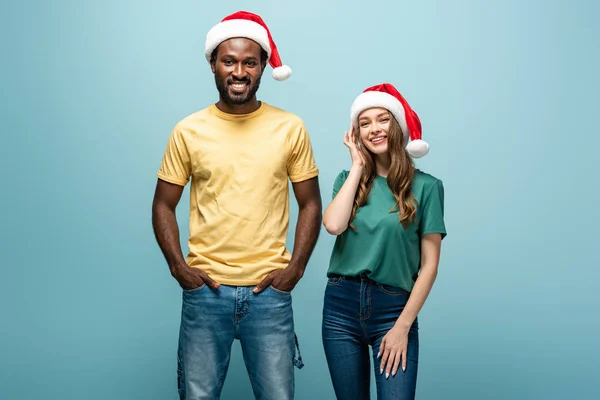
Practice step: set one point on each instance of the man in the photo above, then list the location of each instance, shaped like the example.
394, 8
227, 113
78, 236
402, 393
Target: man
238, 275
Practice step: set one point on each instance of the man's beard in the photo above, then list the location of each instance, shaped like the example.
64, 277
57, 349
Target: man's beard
236, 100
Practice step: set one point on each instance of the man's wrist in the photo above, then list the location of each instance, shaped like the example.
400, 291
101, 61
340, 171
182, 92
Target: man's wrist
297, 268
177, 268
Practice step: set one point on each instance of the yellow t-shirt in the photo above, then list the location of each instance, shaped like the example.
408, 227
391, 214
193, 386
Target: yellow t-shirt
239, 167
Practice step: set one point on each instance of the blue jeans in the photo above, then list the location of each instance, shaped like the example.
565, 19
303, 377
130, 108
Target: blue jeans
357, 313
212, 318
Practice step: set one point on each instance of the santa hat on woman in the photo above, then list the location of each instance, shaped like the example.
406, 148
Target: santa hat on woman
247, 25
386, 96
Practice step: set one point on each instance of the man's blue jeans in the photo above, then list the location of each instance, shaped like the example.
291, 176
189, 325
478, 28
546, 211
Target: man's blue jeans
212, 318
357, 313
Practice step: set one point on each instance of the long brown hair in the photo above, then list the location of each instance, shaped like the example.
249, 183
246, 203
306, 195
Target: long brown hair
399, 179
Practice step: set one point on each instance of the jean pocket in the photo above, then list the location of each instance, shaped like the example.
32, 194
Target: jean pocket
334, 280
393, 290
194, 290
274, 289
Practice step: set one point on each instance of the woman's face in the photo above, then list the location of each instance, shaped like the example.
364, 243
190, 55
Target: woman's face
373, 126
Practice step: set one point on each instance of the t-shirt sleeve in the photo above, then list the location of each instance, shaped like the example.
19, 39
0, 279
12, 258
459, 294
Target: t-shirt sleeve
432, 220
339, 182
301, 163
176, 165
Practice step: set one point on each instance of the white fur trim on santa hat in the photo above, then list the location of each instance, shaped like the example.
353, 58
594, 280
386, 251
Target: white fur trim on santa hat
282, 73
417, 148
236, 28
373, 99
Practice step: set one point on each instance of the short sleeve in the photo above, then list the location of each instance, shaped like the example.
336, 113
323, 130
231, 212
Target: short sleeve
301, 163
176, 166
432, 219
339, 182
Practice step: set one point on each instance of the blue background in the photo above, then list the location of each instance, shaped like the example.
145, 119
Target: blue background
508, 95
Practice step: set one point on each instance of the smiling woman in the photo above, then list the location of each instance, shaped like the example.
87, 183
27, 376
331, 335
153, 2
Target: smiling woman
385, 265
374, 124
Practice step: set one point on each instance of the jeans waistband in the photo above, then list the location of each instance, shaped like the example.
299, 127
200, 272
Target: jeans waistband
357, 278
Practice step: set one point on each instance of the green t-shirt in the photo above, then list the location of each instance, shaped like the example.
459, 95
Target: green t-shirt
381, 247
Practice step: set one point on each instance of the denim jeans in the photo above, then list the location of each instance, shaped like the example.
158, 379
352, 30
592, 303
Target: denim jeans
212, 318
357, 313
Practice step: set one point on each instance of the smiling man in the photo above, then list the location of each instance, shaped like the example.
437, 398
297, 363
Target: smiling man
238, 275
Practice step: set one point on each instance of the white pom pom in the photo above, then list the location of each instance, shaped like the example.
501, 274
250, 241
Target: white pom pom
282, 73
417, 148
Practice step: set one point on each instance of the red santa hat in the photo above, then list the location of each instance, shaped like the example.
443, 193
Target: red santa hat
251, 26
387, 96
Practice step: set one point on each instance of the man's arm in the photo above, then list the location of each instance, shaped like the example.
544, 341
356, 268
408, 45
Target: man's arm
166, 231
308, 226
308, 196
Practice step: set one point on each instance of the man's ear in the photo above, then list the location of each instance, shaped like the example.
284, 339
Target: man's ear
213, 60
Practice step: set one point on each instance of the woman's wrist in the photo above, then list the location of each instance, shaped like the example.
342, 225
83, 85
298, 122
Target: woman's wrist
356, 167
403, 323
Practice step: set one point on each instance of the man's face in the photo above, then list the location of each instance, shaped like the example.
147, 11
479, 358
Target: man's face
238, 69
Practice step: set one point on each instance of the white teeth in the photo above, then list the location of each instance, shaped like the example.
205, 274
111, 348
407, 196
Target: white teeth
378, 140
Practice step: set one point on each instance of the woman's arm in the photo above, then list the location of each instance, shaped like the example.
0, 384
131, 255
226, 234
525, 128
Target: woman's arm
430, 257
394, 345
337, 214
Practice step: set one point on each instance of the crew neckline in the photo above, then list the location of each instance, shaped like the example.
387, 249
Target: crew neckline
238, 117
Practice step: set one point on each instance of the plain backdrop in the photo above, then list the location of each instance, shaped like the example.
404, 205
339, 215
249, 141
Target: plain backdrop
508, 95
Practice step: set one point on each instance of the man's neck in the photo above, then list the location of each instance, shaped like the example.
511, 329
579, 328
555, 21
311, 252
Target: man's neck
245, 108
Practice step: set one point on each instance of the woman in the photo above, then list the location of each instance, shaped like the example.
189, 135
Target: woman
388, 218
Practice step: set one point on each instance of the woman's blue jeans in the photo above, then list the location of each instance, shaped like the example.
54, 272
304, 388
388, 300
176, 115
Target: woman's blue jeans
357, 313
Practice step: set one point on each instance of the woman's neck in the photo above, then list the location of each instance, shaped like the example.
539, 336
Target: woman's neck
382, 164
